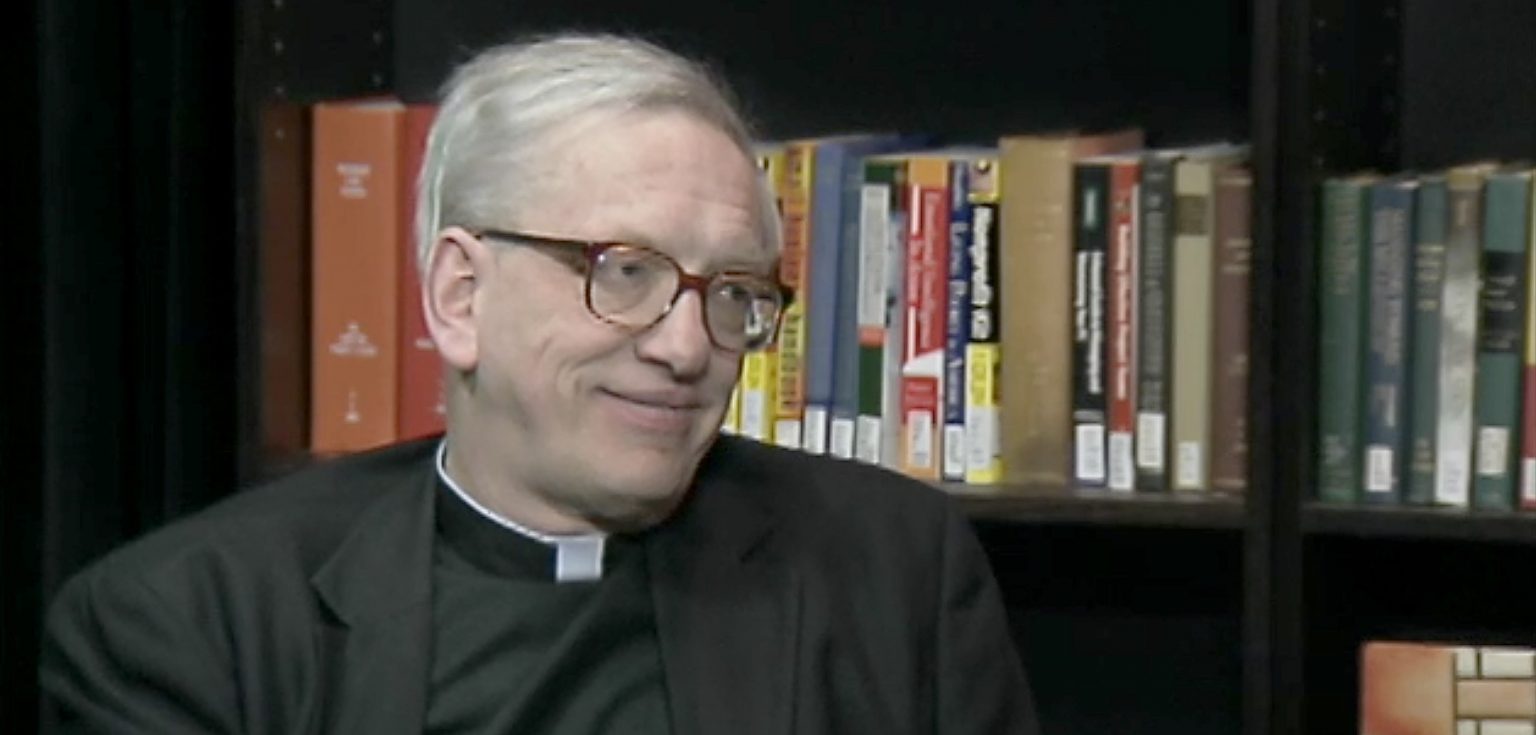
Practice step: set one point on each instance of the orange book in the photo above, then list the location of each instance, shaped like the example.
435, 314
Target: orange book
421, 387
1427, 688
356, 221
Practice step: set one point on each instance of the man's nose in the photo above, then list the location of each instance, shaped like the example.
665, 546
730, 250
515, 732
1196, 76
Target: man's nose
680, 340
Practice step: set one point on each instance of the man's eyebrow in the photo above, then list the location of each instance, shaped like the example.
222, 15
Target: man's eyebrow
744, 256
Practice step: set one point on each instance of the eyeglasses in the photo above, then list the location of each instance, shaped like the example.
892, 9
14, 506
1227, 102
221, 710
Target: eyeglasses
634, 286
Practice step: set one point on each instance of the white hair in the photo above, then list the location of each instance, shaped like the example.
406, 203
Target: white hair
487, 143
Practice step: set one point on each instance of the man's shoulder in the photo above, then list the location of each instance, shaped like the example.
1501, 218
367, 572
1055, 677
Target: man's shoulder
285, 527
849, 495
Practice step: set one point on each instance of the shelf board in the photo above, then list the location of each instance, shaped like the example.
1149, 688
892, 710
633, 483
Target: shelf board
1039, 503
1077, 506
1417, 522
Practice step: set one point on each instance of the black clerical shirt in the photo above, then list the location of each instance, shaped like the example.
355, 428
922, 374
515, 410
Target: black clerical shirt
514, 650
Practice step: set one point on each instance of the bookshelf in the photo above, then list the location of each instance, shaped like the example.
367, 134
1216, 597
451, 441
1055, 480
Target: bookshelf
1441, 84
1145, 614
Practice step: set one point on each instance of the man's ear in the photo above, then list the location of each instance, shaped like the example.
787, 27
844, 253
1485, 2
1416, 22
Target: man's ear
453, 275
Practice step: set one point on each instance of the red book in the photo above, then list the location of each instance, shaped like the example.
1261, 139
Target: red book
420, 387
1124, 221
927, 288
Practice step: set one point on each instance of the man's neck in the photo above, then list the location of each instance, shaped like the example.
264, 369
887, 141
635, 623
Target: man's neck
530, 518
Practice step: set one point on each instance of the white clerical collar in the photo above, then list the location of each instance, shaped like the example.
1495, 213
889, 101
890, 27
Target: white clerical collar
578, 557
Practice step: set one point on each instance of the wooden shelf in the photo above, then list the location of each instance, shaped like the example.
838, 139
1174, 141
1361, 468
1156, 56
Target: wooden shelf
1077, 506
1416, 522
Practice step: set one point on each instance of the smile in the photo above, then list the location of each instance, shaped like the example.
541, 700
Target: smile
654, 412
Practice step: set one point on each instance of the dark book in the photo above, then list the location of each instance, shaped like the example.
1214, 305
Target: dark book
1385, 432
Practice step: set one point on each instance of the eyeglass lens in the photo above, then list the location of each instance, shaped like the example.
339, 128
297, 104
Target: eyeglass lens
636, 286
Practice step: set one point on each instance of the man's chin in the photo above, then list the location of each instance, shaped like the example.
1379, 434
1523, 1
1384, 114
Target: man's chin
633, 509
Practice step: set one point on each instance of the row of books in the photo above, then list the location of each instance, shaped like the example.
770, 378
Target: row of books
895, 352
1056, 309
1427, 351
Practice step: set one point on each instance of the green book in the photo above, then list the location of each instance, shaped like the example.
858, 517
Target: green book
1424, 362
1341, 341
882, 255
1501, 328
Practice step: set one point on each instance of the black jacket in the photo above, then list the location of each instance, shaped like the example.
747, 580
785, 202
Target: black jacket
793, 594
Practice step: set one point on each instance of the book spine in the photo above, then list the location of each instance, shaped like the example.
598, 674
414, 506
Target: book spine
794, 268
821, 293
1458, 338
1120, 319
956, 322
1090, 245
1229, 330
1502, 323
1384, 437
759, 384
894, 358
1342, 310
422, 397
356, 238
923, 342
1528, 383
284, 189
1424, 365
983, 356
1193, 268
1152, 326
875, 210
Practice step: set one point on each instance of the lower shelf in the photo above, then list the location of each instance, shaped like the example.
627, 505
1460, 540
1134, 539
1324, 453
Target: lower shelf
1419, 522
1071, 505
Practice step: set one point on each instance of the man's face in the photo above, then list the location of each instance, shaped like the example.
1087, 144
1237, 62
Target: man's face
602, 422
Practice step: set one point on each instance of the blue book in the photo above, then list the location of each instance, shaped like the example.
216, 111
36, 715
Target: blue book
1385, 430
957, 321
831, 307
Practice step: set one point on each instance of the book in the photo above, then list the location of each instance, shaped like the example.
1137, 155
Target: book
1501, 327
283, 265
758, 384
1424, 365
789, 394
1154, 362
356, 241
1458, 335
957, 327
1341, 340
882, 242
1430, 688
926, 281
422, 398
1090, 249
1385, 434
983, 356
1230, 320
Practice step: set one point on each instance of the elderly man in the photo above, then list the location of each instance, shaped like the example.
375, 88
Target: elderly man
582, 552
